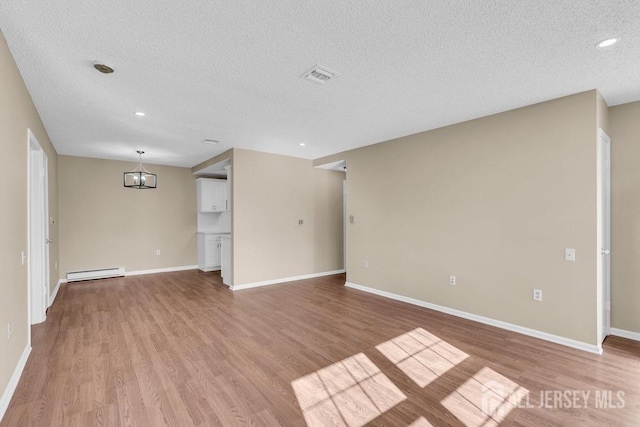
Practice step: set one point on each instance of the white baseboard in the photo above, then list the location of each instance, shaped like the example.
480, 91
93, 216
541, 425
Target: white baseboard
141, 272
285, 279
13, 382
161, 270
591, 348
625, 334
53, 296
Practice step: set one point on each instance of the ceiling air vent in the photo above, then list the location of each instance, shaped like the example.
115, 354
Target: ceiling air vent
319, 74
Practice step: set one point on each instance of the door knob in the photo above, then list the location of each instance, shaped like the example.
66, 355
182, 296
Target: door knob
606, 251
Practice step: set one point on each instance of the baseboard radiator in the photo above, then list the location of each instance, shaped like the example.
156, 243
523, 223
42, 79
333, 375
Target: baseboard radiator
103, 273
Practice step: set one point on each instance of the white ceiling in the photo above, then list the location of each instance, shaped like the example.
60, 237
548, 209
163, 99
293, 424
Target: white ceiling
230, 70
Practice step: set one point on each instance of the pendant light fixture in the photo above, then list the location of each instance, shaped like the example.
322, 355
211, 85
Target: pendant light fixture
140, 178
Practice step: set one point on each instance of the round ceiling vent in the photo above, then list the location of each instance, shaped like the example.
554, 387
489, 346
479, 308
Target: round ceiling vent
102, 67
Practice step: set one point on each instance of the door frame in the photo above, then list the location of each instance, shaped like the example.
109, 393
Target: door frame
344, 223
604, 235
38, 290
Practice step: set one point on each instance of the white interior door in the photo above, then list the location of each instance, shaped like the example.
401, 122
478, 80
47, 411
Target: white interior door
344, 224
605, 250
38, 230
48, 241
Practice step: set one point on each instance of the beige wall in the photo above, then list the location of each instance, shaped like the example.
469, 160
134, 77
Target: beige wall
270, 194
625, 216
493, 201
103, 224
17, 113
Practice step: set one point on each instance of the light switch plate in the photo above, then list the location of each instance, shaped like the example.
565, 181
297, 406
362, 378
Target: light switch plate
569, 254
537, 294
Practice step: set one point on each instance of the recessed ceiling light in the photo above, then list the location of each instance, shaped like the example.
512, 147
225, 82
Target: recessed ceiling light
302, 144
607, 42
210, 141
140, 114
102, 67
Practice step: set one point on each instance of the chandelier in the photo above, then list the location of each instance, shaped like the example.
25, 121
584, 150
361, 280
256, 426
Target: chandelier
140, 178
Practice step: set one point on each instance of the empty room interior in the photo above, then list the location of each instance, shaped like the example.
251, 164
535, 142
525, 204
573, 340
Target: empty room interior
329, 213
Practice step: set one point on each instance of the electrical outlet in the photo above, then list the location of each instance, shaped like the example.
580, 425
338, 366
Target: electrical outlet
352, 219
452, 280
158, 252
55, 264
537, 294
9, 330
569, 254
366, 264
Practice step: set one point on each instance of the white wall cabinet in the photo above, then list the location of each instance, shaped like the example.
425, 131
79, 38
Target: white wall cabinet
209, 251
212, 195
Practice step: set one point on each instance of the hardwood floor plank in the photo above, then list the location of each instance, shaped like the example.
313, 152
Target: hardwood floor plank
180, 349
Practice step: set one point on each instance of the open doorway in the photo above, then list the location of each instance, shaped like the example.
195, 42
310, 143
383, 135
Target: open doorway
37, 230
341, 166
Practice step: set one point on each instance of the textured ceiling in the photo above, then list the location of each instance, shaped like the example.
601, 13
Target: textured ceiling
230, 70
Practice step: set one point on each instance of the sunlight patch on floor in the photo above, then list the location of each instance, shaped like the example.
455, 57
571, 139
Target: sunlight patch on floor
484, 399
422, 356
351, 392
421, 422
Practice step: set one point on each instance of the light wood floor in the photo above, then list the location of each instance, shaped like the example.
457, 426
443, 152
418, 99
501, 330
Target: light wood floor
181, 349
